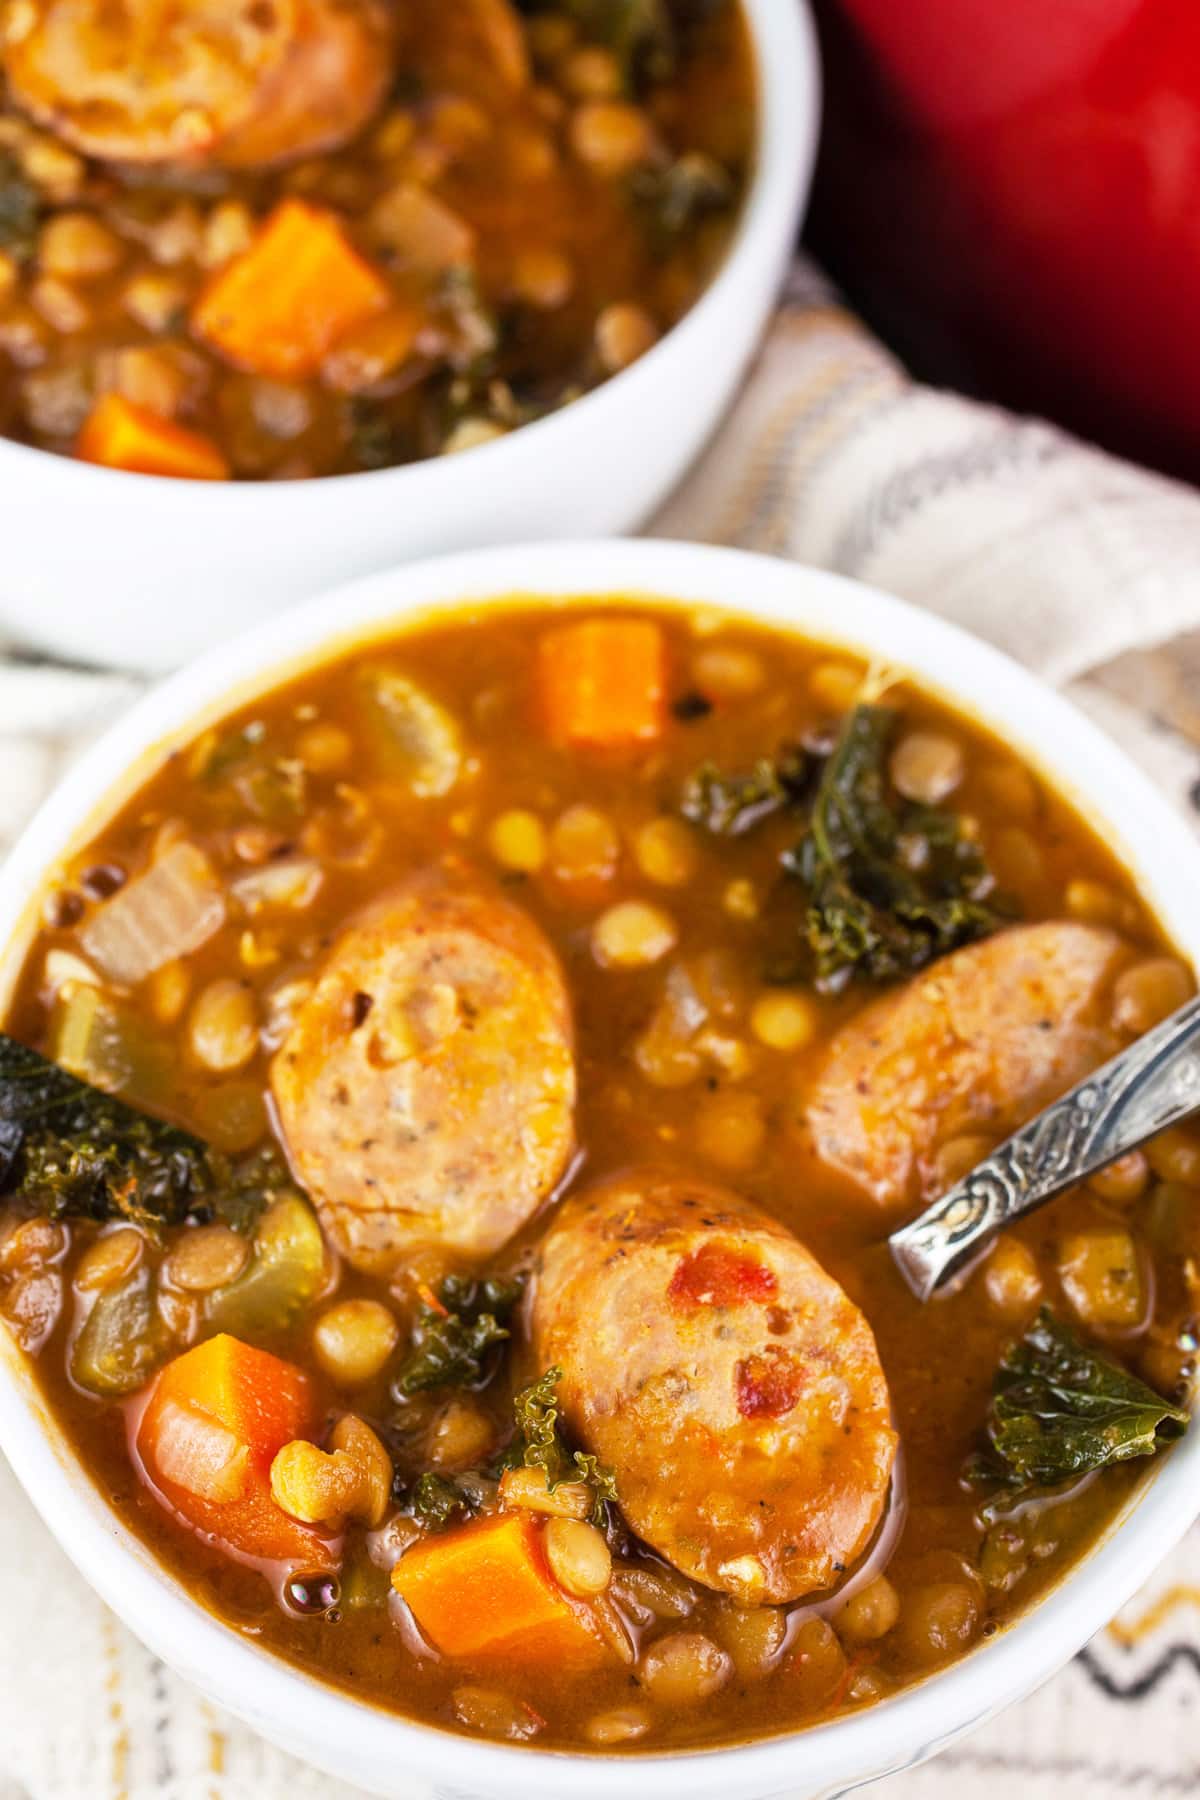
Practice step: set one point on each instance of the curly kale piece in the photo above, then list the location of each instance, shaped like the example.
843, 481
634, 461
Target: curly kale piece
890, 887
243, 1190
435, 1500
673, 197
455, 1333
648, 37
1060, 1410
273, 787
20, 208
69, 1150
730, 806
538, 1443
640, 33
374, 437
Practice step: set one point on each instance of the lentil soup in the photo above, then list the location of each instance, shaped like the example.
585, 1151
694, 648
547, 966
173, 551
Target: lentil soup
505, 1050
326, 236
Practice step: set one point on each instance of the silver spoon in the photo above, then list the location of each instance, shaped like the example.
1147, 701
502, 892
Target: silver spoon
1152, 1084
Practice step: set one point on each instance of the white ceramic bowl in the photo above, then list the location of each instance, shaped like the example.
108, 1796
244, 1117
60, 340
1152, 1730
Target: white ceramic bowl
145, 572
388, 1755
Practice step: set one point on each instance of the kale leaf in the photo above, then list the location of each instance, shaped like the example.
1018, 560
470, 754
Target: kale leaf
435, 1500
640, 34
20, 208
272, 787
889, 888
672, 197
456, 1330
221, 753
729, 806
68, 1149
243, 1190
374, 438
1060, 1410
538, 1443
648, 37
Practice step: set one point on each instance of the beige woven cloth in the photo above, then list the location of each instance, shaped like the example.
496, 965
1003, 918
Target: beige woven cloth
1083, 568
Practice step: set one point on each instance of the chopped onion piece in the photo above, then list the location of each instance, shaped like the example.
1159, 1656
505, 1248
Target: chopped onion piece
666, 1052
415, 739
285, 886
283, 1004
166, 913
684, 1008
63, 967
200, 1455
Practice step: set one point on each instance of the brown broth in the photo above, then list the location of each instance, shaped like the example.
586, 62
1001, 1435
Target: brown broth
939, 1359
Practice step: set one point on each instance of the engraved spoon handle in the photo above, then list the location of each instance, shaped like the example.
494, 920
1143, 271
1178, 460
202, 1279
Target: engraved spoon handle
1152, 1084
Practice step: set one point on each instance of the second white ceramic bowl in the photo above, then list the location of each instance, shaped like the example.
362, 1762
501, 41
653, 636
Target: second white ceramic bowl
143, 572
391, 1756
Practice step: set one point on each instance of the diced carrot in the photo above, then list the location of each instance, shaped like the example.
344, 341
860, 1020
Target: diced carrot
213, 1423
603, 682
279, 306
484, 1591
120, 435
263, 1400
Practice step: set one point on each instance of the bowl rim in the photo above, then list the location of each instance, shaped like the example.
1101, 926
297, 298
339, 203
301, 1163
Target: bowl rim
351, 1736
787, 71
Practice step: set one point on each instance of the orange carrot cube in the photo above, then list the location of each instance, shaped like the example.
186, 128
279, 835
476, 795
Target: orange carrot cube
281, 305
215, 1419
603, 682
119, 435
484, 1591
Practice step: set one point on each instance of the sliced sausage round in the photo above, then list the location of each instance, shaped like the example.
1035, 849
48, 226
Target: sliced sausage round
426, 1090
978, 1043
727, 1380
244, 84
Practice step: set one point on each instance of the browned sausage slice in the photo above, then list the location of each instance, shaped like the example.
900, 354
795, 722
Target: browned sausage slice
978, 1043
426, 1090
726, 1378
243, 83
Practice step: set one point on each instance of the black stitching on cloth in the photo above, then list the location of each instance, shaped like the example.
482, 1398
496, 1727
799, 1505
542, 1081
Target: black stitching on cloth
1111, 1777
1015, 450
779, 471
1147, 1681
866, 418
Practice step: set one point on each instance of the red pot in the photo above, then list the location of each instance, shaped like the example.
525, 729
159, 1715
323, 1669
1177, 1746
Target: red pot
1015, 186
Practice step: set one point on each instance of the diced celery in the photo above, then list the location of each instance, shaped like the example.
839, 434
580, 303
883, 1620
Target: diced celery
285, 1273
122, 1339
95, 1038
364, 1586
